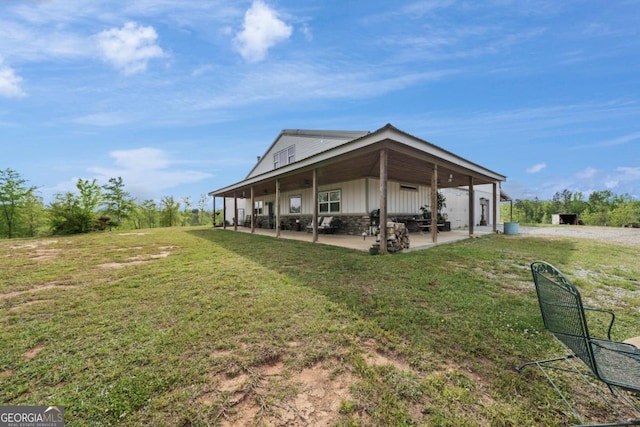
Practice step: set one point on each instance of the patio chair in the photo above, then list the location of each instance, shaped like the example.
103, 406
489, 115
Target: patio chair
614, 363
310, 226
325, 225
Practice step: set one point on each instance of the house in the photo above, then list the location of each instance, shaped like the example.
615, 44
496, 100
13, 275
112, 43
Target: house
348, 175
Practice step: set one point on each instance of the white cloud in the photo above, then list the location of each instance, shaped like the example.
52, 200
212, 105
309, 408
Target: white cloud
275, 82
202, 70
611, 184
421, 8
130, 48
587, 173
536, 168
146, 171
620, 141
624, 175
262, 29
102, 119
10, 83
141, 158
632, 174
306, 31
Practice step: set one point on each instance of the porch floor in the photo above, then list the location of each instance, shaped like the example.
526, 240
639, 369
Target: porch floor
418, 241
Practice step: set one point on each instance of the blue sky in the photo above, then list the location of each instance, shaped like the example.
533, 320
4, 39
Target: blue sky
179, 97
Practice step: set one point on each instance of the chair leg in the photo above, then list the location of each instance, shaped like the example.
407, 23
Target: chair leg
548, 363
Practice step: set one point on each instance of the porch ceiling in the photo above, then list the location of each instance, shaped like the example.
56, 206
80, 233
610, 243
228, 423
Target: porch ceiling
404, 164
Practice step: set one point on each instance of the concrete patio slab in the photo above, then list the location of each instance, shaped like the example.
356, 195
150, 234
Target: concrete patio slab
418, 241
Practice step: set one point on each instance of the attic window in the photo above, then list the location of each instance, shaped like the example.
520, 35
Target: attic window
408, 187
284, 157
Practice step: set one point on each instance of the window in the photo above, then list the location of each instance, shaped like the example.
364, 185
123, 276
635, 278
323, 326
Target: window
329, 201
257, 208
295, 204
284, 157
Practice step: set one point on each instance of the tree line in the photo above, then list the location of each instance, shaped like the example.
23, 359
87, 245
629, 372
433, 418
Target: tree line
91, 207
604, 208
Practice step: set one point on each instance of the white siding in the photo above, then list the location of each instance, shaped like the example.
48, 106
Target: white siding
305, 146
399, 201
457, 209
230, 214
352, 193
457, 201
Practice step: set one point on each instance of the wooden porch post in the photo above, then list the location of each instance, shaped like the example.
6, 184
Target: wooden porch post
224, 212
314, 220
496, 200
472, 204
383, 201
214, 211
434, 204
235, 211
277, 208
253, 211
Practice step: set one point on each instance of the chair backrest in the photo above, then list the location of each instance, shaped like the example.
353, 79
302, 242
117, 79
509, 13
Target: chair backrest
310, 225
326, 222
562, 311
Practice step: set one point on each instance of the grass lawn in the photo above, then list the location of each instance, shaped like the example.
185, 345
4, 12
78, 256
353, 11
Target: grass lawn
198, 327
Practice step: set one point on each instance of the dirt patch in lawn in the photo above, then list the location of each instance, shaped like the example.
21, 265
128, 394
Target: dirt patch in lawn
45, 254
33, 352
28, 303
47, 286
315, 396
138, 259
6, 374
33, 244
375, 357
36, 250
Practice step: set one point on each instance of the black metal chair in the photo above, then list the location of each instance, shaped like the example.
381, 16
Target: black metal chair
616, 364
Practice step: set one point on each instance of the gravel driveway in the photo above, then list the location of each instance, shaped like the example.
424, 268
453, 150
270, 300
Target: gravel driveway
627, 236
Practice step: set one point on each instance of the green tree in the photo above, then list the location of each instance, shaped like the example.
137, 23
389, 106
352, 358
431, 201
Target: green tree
65, 214
625, 214
599, 205
90, 198
118, 202
13, 196
577, 205
33, 214
149, 212
169, 212
203, 214
71, 213
187, 212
